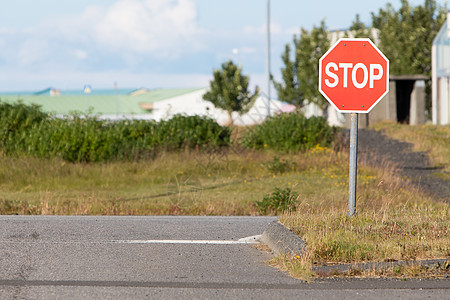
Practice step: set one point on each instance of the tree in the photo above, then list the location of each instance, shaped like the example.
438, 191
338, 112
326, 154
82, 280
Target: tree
406, 35
310, 47
229, 90
359, 30
301, 75
288, 90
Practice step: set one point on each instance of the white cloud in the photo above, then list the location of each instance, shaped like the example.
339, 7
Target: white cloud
162, 28
31, 51
80, 54
159, 41
6, 30
130, 30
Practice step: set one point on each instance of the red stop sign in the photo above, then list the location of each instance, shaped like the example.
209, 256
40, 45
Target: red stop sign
354, 75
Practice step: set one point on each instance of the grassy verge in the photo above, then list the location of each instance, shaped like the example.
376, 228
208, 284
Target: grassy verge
187, 183
401, 227
393, 221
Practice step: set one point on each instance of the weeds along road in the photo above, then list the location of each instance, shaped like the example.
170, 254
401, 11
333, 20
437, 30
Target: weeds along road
58, 257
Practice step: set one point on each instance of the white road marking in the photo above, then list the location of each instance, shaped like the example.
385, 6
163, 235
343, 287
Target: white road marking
248, 240
251, 240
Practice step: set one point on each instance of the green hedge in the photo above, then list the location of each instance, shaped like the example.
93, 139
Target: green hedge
290, 132
15, 120
25, 130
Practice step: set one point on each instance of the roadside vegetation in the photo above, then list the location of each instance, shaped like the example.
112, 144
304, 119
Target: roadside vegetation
230, 171
185, 165
394, 221
27, 131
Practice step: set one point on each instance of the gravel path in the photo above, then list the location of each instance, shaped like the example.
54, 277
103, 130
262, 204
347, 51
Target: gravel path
376, 149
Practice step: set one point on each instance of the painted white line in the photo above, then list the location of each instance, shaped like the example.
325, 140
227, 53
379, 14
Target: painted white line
251, 240
248, 240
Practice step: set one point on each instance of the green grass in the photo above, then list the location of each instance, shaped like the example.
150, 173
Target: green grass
172, 183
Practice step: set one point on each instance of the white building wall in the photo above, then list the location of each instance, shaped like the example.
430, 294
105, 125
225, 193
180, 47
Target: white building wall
443, 101
193, 104
440, 56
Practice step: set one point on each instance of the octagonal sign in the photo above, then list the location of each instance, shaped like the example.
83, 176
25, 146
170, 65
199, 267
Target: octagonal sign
354, 75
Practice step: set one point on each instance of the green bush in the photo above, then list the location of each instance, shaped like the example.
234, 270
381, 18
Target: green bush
192, 131
279, 201
15, 119
278, 165
78, 139
290, 132
25, 130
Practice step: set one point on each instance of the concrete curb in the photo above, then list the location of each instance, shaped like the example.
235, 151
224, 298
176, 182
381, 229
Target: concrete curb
281, 240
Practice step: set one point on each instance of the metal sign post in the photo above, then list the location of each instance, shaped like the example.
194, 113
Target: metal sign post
353, 165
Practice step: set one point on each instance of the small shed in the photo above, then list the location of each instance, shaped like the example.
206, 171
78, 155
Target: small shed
441, 75
405, 103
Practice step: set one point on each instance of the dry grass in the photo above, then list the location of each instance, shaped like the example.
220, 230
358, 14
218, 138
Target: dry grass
394, 221
186, 183
299, 266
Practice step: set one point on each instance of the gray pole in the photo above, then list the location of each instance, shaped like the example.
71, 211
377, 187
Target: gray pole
268, 57
353, 166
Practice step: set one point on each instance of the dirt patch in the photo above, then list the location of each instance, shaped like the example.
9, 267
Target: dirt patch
376, 149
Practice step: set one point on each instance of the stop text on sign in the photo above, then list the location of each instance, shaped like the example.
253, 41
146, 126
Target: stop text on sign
353, 75
371, 74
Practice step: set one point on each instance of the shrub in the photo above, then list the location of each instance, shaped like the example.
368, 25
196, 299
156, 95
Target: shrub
14, 120
278, 165
77, 139
290, 132
89, 139
279, 201
25, 130
192, 131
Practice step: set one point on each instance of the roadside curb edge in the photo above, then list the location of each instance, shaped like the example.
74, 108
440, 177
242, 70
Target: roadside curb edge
281, 240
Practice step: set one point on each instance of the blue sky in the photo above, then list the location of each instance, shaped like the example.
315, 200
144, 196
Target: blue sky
153, 43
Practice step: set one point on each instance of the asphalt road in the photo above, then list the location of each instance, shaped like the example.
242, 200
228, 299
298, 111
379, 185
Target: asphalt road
163, 258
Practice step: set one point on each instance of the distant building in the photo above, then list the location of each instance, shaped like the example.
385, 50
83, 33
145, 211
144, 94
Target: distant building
49, 92
143, 104
191, 103
441, 75
139, 91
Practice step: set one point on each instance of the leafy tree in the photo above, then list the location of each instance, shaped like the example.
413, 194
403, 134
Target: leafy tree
301, 75
310, 47
229, 90
406, 35
359, 30
289, 90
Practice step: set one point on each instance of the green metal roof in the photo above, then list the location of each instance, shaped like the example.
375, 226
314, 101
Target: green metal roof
161, 94
97, 104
